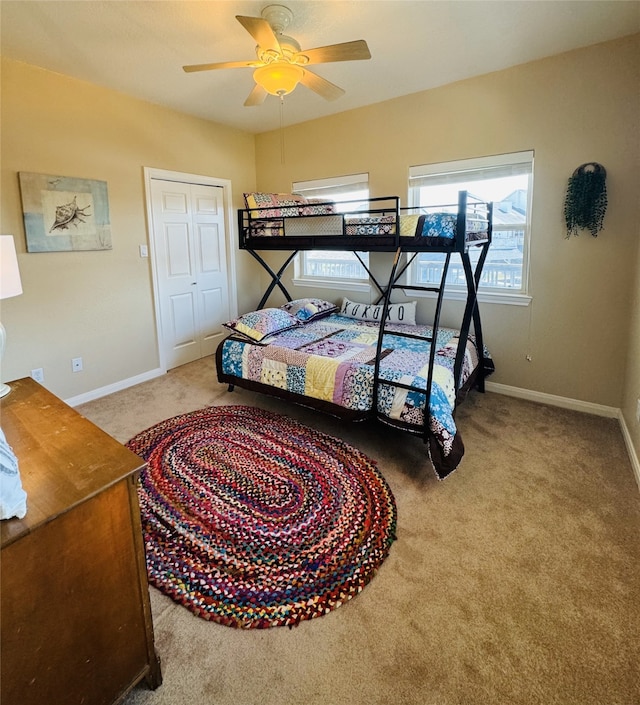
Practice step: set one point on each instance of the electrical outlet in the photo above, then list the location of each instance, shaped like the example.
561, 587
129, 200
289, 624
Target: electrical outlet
76, 364
38, 374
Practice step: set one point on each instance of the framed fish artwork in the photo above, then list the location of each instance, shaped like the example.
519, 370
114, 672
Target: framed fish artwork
63, 214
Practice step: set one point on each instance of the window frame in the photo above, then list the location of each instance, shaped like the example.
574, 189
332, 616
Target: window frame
332, 186
449, 172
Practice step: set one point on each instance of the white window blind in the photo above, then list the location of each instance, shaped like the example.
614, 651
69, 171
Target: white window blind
337, 189
470, 170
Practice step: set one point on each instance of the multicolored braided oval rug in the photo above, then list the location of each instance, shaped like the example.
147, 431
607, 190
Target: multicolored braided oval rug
251, 519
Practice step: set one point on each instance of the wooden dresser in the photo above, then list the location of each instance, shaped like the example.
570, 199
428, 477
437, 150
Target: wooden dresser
74, 607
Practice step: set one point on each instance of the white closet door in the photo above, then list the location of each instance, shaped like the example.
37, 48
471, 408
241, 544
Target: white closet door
192, 280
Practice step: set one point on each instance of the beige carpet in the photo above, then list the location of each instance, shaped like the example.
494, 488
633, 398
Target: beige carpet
514, 581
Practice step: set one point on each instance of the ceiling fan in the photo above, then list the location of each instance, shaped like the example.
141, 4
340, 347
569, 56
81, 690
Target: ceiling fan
280, 63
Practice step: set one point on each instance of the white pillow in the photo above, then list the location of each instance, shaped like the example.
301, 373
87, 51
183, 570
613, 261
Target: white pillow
13, 499
397, 313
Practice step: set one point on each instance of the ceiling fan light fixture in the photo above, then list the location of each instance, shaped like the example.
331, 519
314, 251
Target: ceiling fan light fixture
281, 64
278, 77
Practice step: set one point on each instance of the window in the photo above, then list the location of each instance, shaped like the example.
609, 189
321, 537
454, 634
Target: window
504, 179
328, 267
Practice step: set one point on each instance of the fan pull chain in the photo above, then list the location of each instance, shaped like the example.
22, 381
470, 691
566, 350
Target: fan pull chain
282, 129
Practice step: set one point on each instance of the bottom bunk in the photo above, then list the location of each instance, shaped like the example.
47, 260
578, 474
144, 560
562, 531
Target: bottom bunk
327, 360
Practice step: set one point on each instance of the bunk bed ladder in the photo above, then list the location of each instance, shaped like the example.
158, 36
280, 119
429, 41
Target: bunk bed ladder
377, 380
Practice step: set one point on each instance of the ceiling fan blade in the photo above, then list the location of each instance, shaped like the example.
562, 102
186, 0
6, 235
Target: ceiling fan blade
222, 65
321, 86
348, 51
261, 31
257, 96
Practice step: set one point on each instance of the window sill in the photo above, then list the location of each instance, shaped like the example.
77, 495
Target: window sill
484, 297
335, 284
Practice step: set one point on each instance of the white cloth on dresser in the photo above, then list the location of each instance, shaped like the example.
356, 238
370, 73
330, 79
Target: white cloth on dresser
13, 499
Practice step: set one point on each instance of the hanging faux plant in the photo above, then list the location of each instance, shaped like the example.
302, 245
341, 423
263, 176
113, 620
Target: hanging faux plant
586, 201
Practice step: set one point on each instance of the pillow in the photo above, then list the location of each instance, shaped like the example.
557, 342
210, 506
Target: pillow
439, 225
13, 499
272, 203
317, 206
371, 225
307, 310
397, 313
265, 228
257, 325
409, 224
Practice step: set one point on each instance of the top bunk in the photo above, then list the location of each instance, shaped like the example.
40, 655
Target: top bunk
291, 222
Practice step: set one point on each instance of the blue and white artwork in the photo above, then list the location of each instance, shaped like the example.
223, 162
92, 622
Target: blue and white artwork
64, 214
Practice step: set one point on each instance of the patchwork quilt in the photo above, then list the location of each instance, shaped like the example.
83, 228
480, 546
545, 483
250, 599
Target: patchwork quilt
333, 358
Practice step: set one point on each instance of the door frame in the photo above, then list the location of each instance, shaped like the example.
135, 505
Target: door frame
230, 238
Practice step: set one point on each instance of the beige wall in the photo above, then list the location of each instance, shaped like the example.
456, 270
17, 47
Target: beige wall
570, 109
98, 305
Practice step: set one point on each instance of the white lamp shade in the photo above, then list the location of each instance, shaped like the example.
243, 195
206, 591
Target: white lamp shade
10, 284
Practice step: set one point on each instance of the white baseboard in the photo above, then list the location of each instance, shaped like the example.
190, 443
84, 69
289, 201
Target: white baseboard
633, 456
576, 405
610, 412
115, 387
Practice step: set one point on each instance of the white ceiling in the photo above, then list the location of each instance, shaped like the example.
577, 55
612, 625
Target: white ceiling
139, 47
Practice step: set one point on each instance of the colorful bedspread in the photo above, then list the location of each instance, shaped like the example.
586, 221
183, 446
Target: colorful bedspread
332, 359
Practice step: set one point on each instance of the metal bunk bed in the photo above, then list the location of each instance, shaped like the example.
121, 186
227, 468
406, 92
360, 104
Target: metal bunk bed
472, 230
